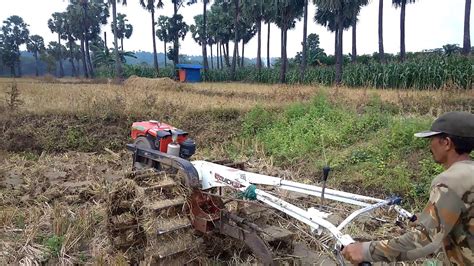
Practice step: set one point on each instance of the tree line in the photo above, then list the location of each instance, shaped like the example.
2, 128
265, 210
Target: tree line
82, 41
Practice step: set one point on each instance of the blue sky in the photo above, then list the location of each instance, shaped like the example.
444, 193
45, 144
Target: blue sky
429, 24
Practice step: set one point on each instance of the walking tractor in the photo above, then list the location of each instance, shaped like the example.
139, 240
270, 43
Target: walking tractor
199, 204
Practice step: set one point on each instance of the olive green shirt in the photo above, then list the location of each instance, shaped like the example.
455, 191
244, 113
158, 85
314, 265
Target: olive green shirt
447, 221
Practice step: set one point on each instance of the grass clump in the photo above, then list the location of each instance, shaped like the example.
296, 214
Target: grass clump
370, 148
54, 244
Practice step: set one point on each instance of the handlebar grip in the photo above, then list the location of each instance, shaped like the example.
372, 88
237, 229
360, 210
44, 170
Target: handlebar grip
365, 263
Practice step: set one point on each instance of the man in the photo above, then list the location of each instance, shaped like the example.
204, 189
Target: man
448, 219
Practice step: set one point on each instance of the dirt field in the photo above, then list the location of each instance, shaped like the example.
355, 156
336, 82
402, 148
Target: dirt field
56, 174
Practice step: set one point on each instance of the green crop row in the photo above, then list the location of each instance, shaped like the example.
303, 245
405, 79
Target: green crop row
424, 72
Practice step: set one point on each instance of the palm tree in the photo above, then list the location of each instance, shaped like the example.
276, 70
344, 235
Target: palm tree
253, 12
150, 6
236, 36
356, 7
288, 12
467, 39
57, 50
118, 65
402, 4
124, 30
163, 32
35, 45
381, 51
204, 32
57, 24
269, 14
337, 16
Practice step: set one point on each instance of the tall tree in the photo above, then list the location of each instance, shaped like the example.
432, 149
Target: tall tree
253, 14
14, 34
356, 7
71, 40
466, 50
35, 46
76, 20
96, 13
118, 63
163, 32
178, 27
380, 23
57, 50
57, 24
124, 29
305, 33
221, 26
247, 30
237, 6
269, 14
402, 4
204, 34
288, 12
336, 15
150, 6
87, 16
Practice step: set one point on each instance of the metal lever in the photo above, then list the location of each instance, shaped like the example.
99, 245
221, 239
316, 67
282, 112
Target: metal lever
326, 170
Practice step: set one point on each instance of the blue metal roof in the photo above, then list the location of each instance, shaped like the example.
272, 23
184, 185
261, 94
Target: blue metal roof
189, 66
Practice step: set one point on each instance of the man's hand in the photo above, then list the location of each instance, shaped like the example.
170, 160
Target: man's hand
353, 253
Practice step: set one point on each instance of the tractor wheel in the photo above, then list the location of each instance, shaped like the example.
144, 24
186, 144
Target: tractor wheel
147, 143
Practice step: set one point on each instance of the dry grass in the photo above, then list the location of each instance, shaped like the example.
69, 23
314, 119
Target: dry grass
78, 182
137, 95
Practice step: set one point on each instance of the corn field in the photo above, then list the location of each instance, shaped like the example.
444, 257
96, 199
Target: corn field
423, 72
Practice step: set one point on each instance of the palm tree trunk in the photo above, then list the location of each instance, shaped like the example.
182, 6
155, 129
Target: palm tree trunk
243, 56
164, 49
36, 63
238, 55
402, 32
236, 38
339, 48
221, 56
354, 39
84, 62
71, 58
336, 41
12, 70
118, 63
121, 43
155, 59
283, 62
175, 37
105, 41
204, 37
217, 55
259, 38
305, 33
227, 53
19, 64
268, 45
61, 68
467, 39
212, 60
381, 52
78, 69
89, 62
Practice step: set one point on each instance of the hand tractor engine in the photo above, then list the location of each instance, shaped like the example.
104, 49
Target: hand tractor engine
161, 137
